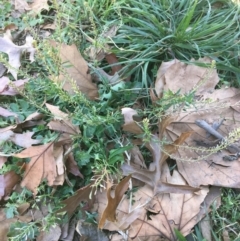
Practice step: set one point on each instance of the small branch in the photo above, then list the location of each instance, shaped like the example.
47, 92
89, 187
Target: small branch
204, 125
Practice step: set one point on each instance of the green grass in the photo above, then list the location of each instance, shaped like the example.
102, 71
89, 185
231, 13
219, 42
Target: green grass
154, 31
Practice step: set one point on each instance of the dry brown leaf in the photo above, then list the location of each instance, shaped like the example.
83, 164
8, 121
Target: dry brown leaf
6, 113
2, 186
8, 87
175, 211
175, 75
22, 208
23, 140
21, 5
52, 234
38, 5
63, 126
10, 180
225, 235
72, 166
171, 210
77, 73
58, 155
152, 176
109, 212
41, 166
129, 124
71, 203
6, 223
125, 216
57, 113
9, 132
195, 155
3, 159
14, 51
205, 228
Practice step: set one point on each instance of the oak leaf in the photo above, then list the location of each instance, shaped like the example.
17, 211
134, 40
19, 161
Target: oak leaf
71, 203
23, 140
175, 75
41, 166
110, 211
197, 155
14, 52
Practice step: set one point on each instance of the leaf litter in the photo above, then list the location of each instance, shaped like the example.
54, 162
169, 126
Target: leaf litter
198, 165
165, 200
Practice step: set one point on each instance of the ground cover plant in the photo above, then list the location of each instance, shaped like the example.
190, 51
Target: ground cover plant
119, 120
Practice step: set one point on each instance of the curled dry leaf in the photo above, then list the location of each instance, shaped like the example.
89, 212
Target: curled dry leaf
81, 195
72, 166
152, 176
10, 179
129, 124
109, 212
21, 5
170, 210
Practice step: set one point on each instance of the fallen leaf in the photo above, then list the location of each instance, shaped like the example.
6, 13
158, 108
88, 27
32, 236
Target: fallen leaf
8, 87
63, 126
175, 75
205, 228
23, 140
41, 166
75, 77
10, 181
7, 113
153, 175
185, 206
3, 159
90, 232
109, 212
57, 113
170, 210
68, 230
6, 223
225, 235
129, 124
59, 158
52, 234
21, 5
14, 52
2, 186
197, 154
72, 166
71, 203
38, 5
22, 208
